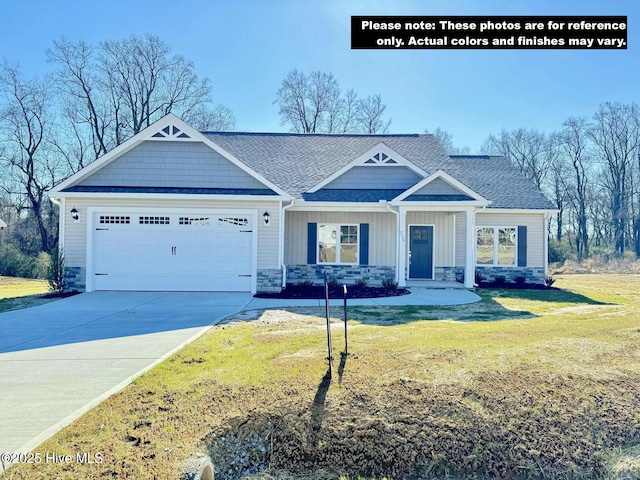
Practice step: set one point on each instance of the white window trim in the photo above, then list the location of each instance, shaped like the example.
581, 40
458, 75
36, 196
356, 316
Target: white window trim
338, 227
496, 243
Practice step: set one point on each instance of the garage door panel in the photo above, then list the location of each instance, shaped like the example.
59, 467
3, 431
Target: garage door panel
204, 255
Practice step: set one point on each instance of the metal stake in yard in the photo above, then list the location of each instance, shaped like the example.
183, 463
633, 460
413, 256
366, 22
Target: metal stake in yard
326, 309
344, 293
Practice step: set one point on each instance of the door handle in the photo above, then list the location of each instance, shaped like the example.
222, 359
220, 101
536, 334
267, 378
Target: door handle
173, 250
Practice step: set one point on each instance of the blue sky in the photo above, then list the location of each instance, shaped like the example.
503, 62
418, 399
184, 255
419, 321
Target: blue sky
247, 47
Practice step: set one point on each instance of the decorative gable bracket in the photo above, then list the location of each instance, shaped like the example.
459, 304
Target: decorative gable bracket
170, 132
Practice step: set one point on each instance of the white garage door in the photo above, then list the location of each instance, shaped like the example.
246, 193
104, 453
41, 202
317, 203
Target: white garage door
172, 252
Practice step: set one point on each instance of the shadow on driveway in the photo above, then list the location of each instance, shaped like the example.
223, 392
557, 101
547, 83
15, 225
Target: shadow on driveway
106, 315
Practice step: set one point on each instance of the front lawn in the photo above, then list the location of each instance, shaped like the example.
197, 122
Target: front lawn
17, 293
526, 384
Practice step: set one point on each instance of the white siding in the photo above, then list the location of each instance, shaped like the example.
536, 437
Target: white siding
382, 228
172, 164
76, 233
535, 231
442, 234
376, 177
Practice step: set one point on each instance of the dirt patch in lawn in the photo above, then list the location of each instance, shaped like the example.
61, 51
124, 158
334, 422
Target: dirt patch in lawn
506, 425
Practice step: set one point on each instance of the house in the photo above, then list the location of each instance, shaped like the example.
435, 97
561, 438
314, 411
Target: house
177, 209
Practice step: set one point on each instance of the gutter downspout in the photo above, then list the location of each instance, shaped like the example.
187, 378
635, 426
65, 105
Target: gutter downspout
283, 209
397, 214
546, 243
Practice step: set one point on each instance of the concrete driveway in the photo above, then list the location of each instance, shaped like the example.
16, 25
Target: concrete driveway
62, 358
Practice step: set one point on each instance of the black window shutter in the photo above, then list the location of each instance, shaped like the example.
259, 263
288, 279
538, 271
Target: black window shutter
522, 245
364, 244
312, 241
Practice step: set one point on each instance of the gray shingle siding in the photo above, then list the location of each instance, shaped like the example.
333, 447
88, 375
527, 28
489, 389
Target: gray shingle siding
172, 164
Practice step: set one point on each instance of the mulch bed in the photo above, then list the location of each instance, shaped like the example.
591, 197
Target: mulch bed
314, 292
60, 294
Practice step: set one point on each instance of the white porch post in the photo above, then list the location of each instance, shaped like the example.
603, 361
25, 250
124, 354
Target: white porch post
469, 258
402, 251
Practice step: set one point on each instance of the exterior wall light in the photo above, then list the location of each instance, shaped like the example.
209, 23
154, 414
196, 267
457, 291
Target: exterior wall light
266, 217
75, 215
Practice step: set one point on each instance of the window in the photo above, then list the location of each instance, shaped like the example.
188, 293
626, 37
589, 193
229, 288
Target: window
337, 243
154, 221
114, 219
203, 221
496, 246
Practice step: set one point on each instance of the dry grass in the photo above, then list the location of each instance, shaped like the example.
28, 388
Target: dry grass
17, 293
532, 384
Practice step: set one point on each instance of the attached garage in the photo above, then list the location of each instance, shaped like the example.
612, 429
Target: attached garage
160, 250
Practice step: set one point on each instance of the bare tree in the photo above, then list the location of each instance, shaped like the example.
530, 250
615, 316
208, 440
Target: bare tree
370, 115
216, 119
112, 91
615, 133
530, 150
28, 170
574, 145
84, 103
314, 103
446, 140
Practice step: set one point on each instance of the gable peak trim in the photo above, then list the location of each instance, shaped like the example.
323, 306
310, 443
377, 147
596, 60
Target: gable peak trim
381, 155
170, 132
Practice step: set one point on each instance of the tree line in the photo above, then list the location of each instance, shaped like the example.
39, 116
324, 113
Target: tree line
99, 95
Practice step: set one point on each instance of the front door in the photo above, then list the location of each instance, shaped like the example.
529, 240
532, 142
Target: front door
421, 252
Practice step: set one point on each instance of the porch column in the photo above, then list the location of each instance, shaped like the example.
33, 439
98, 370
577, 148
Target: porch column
469, 258
402, 250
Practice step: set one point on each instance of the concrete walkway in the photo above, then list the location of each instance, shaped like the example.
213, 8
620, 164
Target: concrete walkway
418, 296
60, 359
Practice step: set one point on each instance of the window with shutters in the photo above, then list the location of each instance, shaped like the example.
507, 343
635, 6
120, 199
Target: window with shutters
496, 246
338, 243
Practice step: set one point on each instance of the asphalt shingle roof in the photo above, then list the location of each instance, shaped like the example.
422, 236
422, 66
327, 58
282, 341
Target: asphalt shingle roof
298, 162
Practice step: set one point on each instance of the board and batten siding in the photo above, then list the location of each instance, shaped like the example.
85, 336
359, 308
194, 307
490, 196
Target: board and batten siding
75, 243
535, 231
172, 164
382, 238
375, 177
443, 245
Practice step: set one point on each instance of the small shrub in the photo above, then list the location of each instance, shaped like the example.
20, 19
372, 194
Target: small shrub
479, 278
333, 283
360, 283
549, 280
55, 272
500, 281
43, 261
520, 280
390, 284
305, 283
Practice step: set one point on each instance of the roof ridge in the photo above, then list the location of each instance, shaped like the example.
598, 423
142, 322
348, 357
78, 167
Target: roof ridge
295, 134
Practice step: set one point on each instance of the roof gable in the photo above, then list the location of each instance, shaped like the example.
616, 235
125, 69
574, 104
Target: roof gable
168, 129
380, 156
440, 186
